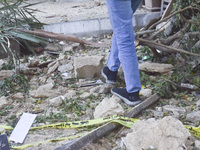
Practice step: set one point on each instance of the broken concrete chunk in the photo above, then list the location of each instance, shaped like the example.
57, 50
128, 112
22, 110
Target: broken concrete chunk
30, 71
53, 67
189, 86
193, 117
33, 63
155, 67
108, 107
53, 48
57, 101
166, 134
146, 92
176, 110
70, 94
65, 67
6, 74
18, 96
4, 101
44, 91
88, 66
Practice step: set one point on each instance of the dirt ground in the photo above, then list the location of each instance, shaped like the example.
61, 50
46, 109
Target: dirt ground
55, 12
49, 12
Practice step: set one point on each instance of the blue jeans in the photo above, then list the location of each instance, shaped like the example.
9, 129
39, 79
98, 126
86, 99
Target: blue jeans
123, 47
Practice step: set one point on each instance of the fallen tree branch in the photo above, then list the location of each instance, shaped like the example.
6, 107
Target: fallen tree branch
164, 48
57, 36
102, 131
173, 14
175, 36
186, 20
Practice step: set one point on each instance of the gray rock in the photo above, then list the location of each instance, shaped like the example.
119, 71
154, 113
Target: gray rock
193, 116
44, 91
88, 66
158, 114
166, 134
65, 67
174, 109
4, 101
6, 74
155, 67
52, 47
67, 48
198, 103
57, 101
52, 67
146, 92
197, 144
70, 94
101, 89
18, 96
84, 95
108, 107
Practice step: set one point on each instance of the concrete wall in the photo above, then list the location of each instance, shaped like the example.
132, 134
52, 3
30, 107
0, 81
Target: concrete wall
96, 27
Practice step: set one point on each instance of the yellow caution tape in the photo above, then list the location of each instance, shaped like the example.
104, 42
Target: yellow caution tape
6, 127
125, 121
194, 130
46, 141
79, 124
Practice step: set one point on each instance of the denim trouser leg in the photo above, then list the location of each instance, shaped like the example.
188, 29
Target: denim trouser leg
123, 48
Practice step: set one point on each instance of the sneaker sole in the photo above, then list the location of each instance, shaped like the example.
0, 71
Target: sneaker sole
107, 81
126, 100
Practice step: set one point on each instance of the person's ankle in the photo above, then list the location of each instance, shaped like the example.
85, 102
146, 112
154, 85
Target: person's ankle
110, 76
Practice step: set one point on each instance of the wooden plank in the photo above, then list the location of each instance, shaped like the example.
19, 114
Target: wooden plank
168, 9
106, 129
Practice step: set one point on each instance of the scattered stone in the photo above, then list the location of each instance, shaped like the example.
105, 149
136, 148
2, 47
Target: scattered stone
176, 110
146, 92
30, 71
159, 109
52, 67
65, 67
165, 134
4, 101
62, 56
6, 74
101, 89
197, 144
44, 91
18, 96
66, 75
52, 47
44, 64
158, 114
189, 86
193, 116
70, 94
33, 63
1, 62
67, 48
88, 66
155, 67
198, 103
108, 107
57, 101
84, 95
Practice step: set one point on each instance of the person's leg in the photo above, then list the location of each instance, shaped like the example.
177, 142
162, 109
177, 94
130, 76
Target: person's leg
135, 4
113, 62
121, 18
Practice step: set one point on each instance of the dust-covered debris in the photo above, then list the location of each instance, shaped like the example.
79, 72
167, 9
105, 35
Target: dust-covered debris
108, 107
167, 133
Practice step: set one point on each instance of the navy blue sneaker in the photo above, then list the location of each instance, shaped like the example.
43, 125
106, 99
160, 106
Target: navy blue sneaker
109, 75
131, 99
